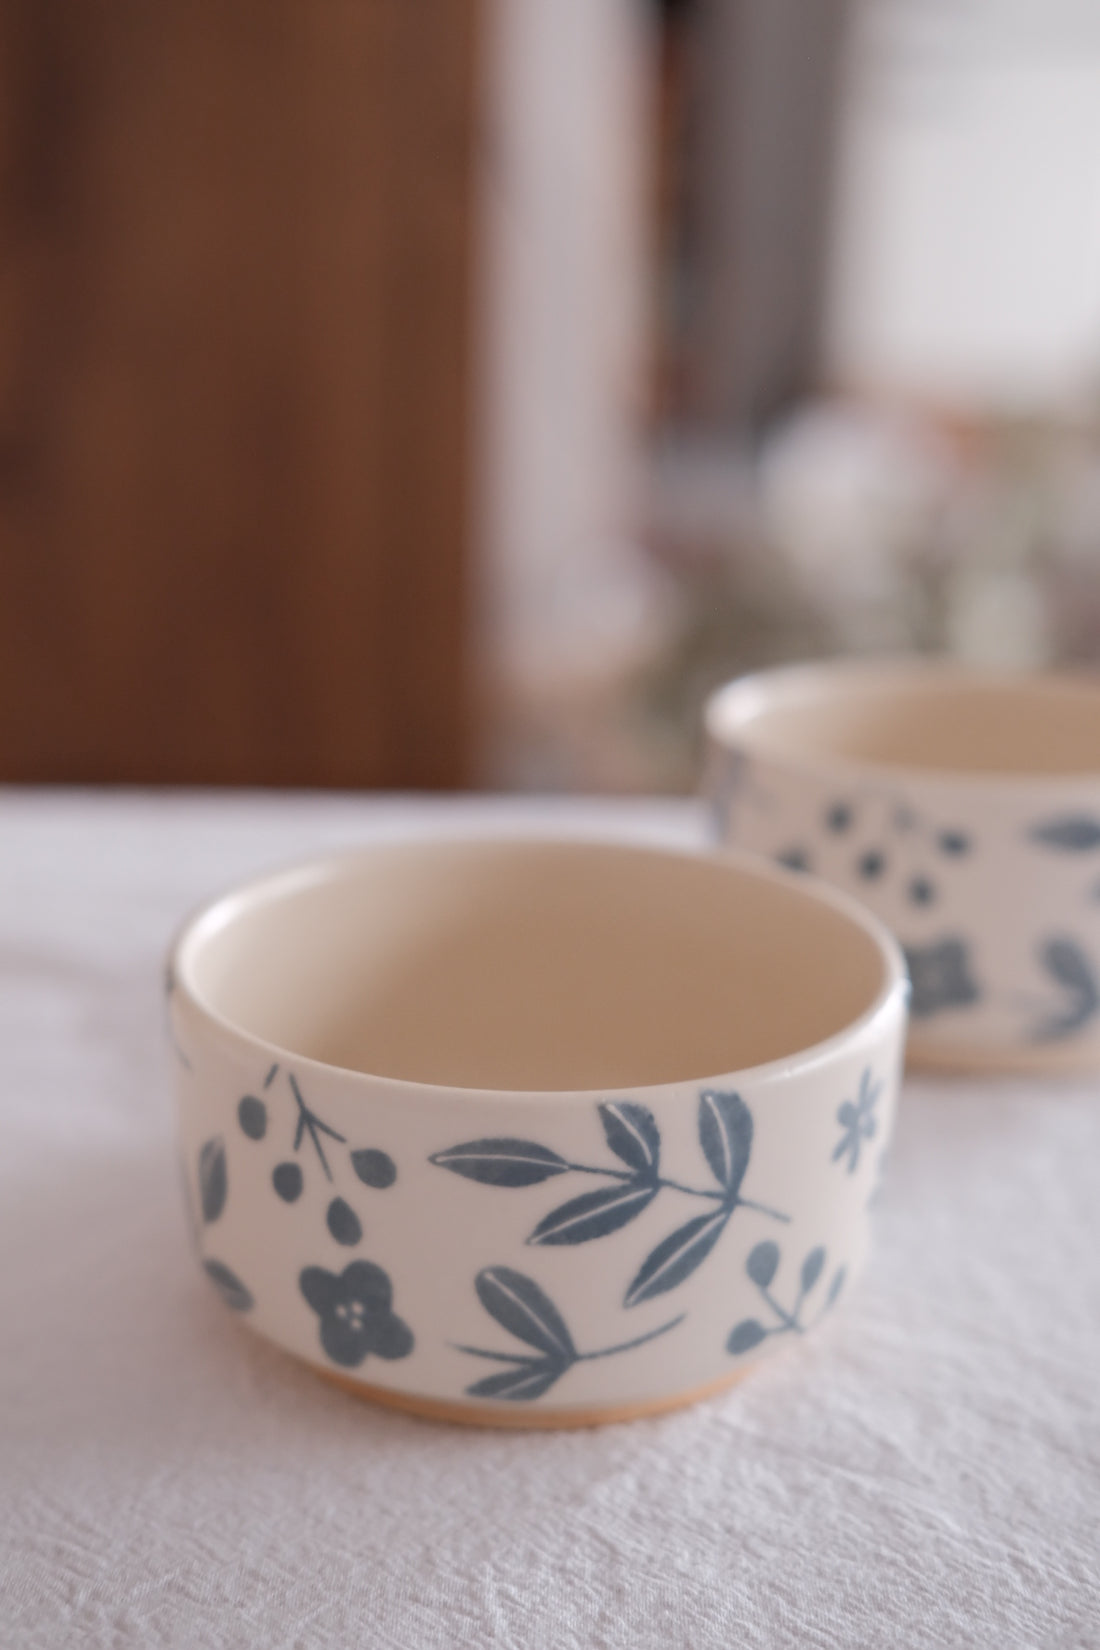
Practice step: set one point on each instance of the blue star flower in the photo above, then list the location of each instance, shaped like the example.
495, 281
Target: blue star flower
857, 1121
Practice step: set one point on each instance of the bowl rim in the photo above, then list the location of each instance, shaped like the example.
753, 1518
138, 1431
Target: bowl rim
724, 732
891, 998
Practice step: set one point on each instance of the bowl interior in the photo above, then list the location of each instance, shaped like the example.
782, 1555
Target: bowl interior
919, 717
533, 966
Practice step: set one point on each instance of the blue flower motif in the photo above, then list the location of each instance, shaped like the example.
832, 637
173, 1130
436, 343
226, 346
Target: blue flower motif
355, 1309
941, 977
857, 1121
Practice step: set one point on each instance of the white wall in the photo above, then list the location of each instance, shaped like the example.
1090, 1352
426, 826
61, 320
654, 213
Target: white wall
967, 252
564, 308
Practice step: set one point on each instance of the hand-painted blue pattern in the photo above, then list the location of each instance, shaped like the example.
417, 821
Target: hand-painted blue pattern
857, 1121
525, 1311
372, 1167
1068, 967
761, 1267
252, 1116
940, 977
1062, 959
229, 1286
343, 1222
213, 1179
355, 1308
725, 1130
1068, 834
309, 1123
923, 843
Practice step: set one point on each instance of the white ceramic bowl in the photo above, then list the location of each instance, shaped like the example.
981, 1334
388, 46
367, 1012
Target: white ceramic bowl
964, 808
533, 1132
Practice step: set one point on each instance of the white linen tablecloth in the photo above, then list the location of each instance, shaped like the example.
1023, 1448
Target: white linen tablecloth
926, 1473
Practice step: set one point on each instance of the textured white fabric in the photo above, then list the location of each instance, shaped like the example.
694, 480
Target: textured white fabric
927, 1473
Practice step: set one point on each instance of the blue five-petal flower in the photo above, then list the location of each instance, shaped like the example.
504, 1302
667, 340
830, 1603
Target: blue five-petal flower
857, 1121
355, 1309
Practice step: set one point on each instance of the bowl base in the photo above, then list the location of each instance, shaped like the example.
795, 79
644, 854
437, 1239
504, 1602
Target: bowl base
500, 1415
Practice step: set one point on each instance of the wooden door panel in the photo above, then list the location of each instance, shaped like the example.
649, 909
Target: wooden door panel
234, 387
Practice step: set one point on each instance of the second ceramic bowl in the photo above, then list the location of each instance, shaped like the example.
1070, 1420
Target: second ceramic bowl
962, 807
534, 1132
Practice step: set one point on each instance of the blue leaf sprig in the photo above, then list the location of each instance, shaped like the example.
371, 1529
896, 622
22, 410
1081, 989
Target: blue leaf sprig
725, 1131
761, 1266
525, 1311
1069, 969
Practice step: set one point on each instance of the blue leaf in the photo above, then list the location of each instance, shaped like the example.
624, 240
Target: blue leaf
747, 1334
520, 1306
594, 1214
725, 1134
763, 1263
504, 1162
252, 1116
1066, 963
811, 1268
229, 1286
519, 1385
213, 1179
1071, 834
677, 1257
374, 1168
839, 1277
632, 1134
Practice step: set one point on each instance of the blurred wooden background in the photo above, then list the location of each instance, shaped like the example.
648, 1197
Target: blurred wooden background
235, 276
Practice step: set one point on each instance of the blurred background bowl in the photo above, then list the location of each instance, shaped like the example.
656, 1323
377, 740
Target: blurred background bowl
963, 807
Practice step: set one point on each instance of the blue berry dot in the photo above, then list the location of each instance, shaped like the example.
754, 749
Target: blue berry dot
839, 817
871, 864
921, 891
343, 1222
252, 1116
954, 842
287, 1181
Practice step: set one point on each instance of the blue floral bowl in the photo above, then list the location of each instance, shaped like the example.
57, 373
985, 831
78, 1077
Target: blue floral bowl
963, 808
532, 1132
